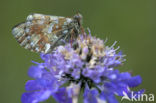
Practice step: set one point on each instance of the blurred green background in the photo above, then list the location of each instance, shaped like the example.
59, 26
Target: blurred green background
130, 22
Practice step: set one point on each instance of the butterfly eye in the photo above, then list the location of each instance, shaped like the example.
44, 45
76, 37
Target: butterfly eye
78, 16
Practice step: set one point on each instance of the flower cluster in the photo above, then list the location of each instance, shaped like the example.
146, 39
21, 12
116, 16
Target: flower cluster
88, 66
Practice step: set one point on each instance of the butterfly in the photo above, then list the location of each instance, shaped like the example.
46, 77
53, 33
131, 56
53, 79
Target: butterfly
42, 33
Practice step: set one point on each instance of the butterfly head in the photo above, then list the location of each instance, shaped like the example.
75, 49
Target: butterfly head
78, 18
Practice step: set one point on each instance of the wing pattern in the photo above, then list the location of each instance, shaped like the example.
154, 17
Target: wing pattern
39, 32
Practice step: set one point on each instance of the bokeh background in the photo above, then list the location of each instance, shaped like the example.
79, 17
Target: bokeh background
130, 22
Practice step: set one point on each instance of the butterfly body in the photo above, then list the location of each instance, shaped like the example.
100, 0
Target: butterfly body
41, 33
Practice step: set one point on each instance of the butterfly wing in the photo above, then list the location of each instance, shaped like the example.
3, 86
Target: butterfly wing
39, 32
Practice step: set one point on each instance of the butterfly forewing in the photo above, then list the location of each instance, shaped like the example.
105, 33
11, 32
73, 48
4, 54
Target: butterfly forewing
40, 32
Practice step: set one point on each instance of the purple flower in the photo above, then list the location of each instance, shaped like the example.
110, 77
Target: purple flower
87, 66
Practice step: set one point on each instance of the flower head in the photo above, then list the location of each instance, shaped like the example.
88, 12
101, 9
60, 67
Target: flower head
88, 65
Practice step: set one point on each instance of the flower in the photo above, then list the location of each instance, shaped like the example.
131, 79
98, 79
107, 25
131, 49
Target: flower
88, 66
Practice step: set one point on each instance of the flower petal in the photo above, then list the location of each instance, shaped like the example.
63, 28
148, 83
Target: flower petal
32, 85
90, 95
134, 81
35, 97
35, 72
62, 96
